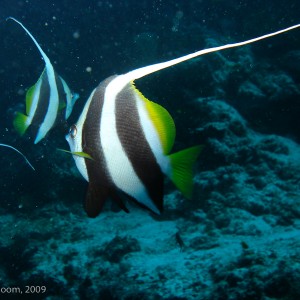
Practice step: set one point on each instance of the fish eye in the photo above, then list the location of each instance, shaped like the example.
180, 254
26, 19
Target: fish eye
73, 131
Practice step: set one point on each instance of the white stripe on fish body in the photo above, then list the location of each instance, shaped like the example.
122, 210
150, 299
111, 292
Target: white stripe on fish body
68, 99
76, 143
118, 165
35, 101
152, 136
52, 110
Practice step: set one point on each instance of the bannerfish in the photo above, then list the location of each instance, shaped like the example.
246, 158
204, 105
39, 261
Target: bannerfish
44, 100
121, 142
11, 147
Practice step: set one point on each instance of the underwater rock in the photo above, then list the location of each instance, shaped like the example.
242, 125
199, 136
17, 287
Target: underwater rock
16, 259
262, 90
118, 247
249, 89
253, 276
277, 86
292, 60
251, 171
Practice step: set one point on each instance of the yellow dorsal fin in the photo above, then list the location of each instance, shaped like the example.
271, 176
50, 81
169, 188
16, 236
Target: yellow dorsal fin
162, 121
30, 93
29, 99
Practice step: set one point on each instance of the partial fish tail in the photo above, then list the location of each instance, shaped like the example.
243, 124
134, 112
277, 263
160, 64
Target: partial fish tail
20, 123
11, 147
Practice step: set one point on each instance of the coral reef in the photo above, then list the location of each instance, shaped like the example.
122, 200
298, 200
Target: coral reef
237, 238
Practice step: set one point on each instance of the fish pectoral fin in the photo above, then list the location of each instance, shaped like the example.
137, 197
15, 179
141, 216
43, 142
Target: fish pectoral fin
20, 123
181, 169
81, 154
94, 200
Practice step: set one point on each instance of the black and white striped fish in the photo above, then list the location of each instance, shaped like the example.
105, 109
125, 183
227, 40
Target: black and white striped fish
127, 139
44, 100
121, 142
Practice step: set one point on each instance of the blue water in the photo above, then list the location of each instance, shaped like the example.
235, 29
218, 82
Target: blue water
238, 238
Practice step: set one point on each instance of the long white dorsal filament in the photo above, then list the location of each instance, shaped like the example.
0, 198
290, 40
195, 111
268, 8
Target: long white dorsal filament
141, 72
45, 57
11, 147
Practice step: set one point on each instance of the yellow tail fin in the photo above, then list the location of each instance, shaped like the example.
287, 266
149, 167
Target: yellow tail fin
20, 123
182, 169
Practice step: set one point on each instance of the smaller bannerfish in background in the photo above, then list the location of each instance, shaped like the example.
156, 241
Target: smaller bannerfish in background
44, 100
11, 147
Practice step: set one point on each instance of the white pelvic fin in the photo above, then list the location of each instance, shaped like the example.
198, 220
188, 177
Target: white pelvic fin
8, 146
141, 72
45, 57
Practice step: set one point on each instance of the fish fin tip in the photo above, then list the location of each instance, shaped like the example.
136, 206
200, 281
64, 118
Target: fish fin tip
182, 169
75, 97
11, 18
83, 154
37, 140
118, 199
94, 200
20, 123
70, 106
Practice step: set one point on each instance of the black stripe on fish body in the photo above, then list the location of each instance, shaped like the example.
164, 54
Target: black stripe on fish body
136, 146
62, 96
100, 184
94, 199
42, 105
